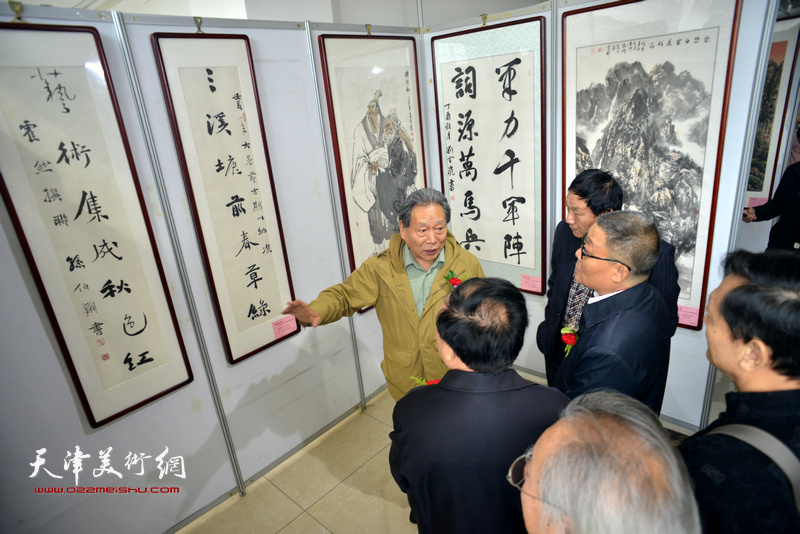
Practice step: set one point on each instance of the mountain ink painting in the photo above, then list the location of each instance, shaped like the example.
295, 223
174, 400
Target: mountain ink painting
642, 112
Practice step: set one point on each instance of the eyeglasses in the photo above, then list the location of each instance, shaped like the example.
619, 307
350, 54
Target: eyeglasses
516, 473
584, 253
516, 476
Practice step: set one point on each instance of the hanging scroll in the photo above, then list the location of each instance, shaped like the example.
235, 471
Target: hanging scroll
764, 166
373, 104
489, 99
645, 97
70, 186
212, 99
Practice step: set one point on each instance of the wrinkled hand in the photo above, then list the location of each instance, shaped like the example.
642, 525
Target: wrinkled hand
303, 312
749, 215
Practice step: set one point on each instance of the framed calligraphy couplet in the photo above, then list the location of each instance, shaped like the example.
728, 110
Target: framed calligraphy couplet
490, 99
772, 117
645, 96
373, 105
71, 189
210, 92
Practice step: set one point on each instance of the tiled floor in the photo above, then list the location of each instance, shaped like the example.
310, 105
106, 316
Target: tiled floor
339, 483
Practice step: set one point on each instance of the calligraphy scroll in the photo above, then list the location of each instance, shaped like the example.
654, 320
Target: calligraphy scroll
489, 100
213, 103
70, 185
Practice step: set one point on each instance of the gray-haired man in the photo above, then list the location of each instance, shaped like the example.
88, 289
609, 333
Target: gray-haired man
406, 284
624, 335
606, 467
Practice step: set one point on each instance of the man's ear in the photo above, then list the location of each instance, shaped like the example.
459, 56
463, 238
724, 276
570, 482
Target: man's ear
621, 273
755, 354
447, 353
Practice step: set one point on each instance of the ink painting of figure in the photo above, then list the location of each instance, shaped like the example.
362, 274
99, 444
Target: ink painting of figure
373, 99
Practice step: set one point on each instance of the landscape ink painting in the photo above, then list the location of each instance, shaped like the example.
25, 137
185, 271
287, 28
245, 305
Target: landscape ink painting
642, 112
645, 97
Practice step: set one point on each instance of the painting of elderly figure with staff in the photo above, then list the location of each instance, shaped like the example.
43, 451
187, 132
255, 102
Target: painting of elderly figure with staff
383, 172
373, 103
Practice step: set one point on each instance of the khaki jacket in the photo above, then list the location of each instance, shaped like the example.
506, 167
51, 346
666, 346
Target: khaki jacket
409, 340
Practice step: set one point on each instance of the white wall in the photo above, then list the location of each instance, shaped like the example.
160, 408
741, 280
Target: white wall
231, 9
375, 12
275, 400
299, 10
41, 408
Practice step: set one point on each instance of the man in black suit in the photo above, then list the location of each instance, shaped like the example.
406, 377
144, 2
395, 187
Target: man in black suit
591, 194
624, 333
453, 441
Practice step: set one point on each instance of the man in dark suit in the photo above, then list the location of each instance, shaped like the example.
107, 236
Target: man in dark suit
624, 333
591, 194
453, 441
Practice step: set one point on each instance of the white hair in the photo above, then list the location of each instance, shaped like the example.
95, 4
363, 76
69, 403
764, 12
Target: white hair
617, 473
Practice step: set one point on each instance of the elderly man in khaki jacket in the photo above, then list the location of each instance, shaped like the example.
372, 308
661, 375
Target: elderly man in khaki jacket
406, 284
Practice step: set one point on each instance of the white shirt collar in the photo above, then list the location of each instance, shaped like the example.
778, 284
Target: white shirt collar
598, 298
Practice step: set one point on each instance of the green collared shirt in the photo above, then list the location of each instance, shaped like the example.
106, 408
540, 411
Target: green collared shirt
421, 280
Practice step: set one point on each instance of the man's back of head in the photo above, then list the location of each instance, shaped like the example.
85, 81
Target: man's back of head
612, 469
453, 441
484, 322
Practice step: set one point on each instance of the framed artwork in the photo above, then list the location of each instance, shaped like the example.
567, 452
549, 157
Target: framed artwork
645, 96
765, 165
490, 98
72, 192
212, 99
373, 104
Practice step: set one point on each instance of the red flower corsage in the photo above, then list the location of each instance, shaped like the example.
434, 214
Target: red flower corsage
421, 382
569, 337
452, 278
